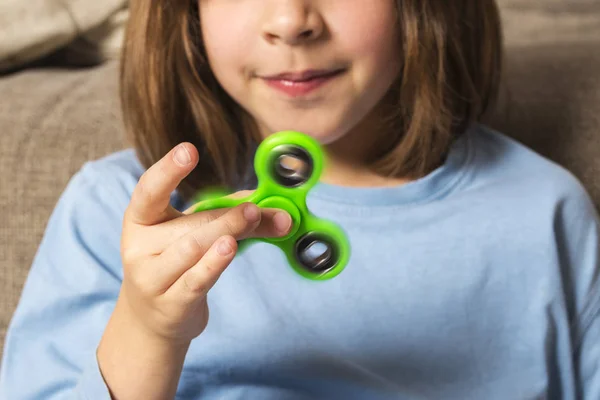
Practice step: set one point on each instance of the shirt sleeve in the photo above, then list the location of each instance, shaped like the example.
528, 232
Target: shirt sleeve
68, 296
578, 229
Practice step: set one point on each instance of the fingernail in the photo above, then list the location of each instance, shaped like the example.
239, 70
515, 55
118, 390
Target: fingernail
223, 248
282, 221
251, 213
182, 156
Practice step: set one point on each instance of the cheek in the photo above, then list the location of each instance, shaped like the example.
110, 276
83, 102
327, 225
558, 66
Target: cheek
228, 45
369, 33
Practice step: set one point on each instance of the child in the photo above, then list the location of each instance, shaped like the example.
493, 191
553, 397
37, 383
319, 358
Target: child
474, 268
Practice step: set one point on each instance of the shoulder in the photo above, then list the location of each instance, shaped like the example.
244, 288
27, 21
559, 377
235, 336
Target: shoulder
84, 229
89, 213
123, 164
525, 195
537, 209
516, 171
111, 178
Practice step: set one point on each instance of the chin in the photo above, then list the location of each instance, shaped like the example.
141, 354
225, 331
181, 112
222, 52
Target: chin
325, 133
327, 138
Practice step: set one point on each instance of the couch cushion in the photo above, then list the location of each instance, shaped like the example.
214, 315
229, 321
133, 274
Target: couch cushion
35, 28
551, 95
534, 22
52, 121
551, 100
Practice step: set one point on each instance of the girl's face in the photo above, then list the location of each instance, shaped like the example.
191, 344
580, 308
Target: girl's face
315, 66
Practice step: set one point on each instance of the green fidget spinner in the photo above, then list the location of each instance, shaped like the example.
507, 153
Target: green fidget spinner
288, 164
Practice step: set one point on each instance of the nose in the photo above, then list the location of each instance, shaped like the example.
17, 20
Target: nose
292, 22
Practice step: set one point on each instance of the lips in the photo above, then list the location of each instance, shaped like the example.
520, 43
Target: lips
303, 76
301, 83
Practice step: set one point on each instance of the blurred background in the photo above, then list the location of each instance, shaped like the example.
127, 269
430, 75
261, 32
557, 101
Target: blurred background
59, 105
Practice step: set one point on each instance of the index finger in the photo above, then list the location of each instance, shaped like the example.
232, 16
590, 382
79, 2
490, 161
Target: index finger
150, 201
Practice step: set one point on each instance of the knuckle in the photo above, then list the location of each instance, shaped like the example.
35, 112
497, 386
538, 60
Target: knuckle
233, 223
210, 217
135, 244
142, 192
229, 226
163, 168
139, 281
129, 254
193, 285
212, 269
191, 246
188, 248
185, 224
145, 282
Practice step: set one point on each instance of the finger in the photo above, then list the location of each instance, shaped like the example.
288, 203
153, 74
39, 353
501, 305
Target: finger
273, 223
160, 237
237, 195
150, 201
241, 194
199, 279
187, 251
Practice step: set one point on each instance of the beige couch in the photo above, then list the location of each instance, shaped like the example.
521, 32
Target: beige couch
53, 119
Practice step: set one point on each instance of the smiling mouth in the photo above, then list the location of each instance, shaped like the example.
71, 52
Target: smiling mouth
296, 84
304, 76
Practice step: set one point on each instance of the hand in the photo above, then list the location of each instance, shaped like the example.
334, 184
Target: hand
172, 259
170, 262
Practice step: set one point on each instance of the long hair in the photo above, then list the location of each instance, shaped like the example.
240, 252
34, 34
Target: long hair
450, 76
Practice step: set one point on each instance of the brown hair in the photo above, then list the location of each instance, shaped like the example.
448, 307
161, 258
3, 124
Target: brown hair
452, 64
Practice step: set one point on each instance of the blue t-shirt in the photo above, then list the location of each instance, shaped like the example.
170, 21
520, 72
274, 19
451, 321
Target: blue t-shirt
478, 281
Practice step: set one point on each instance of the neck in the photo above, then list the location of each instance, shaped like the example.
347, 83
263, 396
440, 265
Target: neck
347, 157
342, 172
